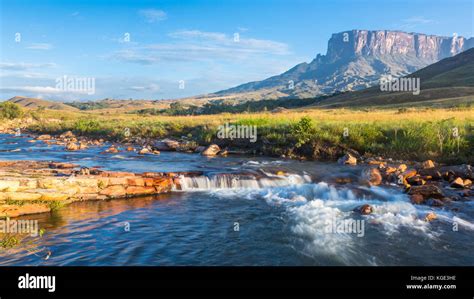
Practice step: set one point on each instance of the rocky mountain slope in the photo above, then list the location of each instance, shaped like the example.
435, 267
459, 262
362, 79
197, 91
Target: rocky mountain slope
451, 79
354, 60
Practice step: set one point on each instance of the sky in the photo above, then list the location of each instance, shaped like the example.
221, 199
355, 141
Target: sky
88, 50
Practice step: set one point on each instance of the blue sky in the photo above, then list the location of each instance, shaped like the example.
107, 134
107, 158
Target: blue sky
188, 40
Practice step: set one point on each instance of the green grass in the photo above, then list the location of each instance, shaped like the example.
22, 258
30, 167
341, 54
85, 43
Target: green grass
414, 133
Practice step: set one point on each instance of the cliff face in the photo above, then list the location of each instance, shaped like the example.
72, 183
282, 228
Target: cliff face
396, 43
355, 59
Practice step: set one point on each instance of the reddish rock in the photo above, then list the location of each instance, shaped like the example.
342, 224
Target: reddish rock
430, 217
114, 191
409, 173
427, 191
427, 164
457, 183
402, 167
373, 176
140, 190
44, 137
365, 209
136, 181
417, 199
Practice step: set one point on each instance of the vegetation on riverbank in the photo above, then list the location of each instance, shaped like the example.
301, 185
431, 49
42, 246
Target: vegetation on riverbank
445, 135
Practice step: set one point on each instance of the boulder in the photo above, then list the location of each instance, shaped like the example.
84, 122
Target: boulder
67, 134
112, 150
409, 173
71, 146
373, 176
457, 183
44, 137
199, 149
427, 191
434, 173
166, 145
402, 167
144, 151
463, 171
427, 164
114, 191
417, 199
430, 217
348, 159
365, 209
211, 150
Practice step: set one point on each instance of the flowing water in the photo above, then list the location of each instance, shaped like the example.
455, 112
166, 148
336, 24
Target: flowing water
239, 212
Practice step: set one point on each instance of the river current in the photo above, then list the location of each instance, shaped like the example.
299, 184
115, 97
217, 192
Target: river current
239, 212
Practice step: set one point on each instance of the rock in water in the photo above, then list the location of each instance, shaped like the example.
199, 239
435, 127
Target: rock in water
365, 209
144, 151
67, 134
430, 217
457, 183
211, 150
427, 164
44, 137
417, 199
373, 176
347, 159
71, 146
427, 191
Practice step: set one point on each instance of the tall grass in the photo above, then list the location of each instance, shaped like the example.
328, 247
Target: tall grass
442, 134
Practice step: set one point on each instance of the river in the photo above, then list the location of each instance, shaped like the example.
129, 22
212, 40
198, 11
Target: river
239, 212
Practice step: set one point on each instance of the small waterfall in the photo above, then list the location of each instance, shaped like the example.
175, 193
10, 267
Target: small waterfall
238, 181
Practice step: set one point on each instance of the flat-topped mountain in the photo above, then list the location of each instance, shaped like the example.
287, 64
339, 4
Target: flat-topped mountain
354, 60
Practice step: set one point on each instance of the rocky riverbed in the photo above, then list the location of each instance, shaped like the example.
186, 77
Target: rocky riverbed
28, 187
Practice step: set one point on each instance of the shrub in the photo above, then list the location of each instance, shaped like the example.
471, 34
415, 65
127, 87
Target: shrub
10, 110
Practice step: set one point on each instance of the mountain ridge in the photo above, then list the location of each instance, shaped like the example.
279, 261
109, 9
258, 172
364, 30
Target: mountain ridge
355, 60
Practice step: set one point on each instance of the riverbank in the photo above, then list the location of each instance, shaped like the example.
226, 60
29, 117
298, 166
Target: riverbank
443, 135
29, 187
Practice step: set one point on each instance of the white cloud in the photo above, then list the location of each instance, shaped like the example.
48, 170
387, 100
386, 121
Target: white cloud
153, 15
150, 87
22, 66
195, 45
40, 46
415, 21
44, 90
